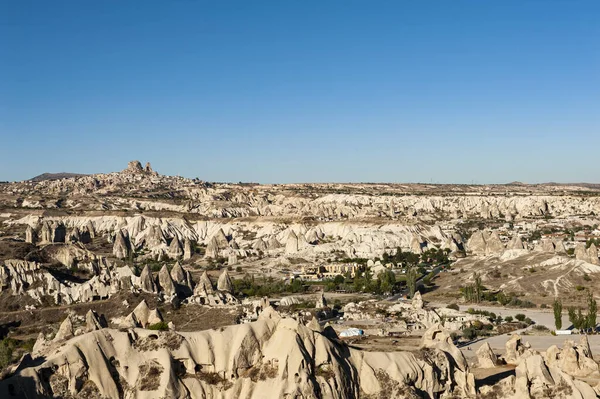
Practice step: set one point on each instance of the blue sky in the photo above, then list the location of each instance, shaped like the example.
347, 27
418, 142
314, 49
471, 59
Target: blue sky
303, 91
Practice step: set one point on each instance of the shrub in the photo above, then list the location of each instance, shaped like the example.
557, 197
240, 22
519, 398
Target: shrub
579, 287
508, 319
543, 306
6, 352
453, 306
469, 334
160, 326
520, 316
528, 321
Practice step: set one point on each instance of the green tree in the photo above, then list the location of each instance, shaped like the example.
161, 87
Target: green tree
6, 352
520, 316
592, 310
557, 306
411, 280
387, 280
478, 287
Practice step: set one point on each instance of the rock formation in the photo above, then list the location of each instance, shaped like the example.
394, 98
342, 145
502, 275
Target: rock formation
486, 358
175, 250
146, 282
30, 235
188, 251
165, 283
224, 283
289, 356
94, 322
121, 247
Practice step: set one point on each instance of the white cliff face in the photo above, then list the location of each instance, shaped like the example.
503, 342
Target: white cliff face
290, 358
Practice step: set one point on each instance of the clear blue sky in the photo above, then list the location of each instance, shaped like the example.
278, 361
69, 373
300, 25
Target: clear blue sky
303, 91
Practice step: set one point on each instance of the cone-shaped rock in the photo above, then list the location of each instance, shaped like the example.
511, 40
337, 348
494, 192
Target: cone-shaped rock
146, 281
291, 244
515, 243
94, 322
165, 282
493, 244
486, 357
65, 331
212, 249
178, 274
121, 246
205, 286
175, 249
142, 313
224, 283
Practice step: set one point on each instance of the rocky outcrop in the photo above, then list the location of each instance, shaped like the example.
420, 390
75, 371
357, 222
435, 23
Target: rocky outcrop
175, 249
146, 282
417, 301
30, 235
486, 358
592, 253
182, 279
65, 331
288, 356
485, 243
94, 322
165, 284
516, 350
224, 283
291, 244
188, 250
574, 359
321, 301
121, 246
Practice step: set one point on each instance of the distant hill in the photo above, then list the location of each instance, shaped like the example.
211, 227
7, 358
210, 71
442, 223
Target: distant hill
54, 176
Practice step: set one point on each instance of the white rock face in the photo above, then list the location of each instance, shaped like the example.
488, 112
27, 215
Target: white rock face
486, 358
291, 356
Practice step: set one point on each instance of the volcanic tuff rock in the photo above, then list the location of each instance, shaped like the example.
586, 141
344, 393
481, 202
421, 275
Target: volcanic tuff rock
224, 283
290, 358
486, 358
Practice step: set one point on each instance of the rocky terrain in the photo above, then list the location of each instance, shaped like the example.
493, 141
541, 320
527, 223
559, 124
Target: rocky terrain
136, 284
